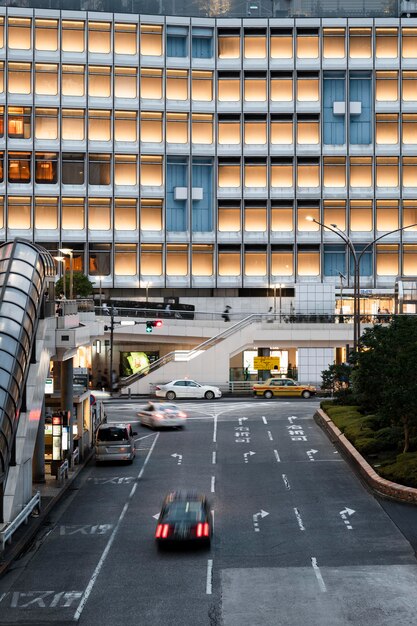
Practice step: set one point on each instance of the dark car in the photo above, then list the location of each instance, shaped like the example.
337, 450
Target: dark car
185, 517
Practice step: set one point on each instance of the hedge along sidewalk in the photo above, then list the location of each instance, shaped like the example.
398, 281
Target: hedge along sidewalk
379, 485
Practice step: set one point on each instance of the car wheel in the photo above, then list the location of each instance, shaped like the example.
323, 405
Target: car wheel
306, 394
209, 395
268, 394
170, 395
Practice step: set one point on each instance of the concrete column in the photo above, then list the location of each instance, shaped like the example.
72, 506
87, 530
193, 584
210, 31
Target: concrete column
264, 374
67, 394
38, 460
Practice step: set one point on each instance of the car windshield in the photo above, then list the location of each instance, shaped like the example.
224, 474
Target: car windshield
184, 512
112, 433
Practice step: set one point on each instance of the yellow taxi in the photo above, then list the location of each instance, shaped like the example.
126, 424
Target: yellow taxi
282, 387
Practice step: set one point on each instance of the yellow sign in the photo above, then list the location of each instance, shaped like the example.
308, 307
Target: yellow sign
266, 362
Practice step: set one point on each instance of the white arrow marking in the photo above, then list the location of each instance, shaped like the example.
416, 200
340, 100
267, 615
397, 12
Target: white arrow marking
155, 516
242, 419
310, 454
178, 456
261, 513
292, 418
347, 511
247, 454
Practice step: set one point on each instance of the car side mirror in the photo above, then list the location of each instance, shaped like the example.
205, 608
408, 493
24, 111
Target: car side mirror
134, 434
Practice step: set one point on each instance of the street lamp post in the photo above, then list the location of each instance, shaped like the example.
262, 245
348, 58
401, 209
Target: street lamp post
61, 259
69, 252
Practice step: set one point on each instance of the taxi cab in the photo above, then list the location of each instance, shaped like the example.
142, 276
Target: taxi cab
282, 387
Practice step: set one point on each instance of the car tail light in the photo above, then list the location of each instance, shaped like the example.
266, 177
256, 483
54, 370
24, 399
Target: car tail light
206, 530
199, 530
203, 530
162, 531
165, 531
159, 531
182, 414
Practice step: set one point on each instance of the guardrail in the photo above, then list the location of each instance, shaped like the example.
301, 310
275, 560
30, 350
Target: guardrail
75, 457
22, 518
62, 471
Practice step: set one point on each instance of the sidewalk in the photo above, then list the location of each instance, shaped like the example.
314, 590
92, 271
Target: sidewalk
51, 493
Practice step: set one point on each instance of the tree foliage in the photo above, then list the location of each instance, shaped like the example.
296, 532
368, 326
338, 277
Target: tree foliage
337, 377
82, 287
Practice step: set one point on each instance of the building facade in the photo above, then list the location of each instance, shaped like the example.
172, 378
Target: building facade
188, 152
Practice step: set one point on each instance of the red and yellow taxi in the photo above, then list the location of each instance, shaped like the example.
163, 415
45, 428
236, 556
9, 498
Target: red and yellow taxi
282, 387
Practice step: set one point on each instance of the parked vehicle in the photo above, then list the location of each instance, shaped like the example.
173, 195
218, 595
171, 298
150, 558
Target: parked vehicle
114, 442
282, 387
185, 388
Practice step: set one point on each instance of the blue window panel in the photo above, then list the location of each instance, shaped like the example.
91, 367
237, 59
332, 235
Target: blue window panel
202, 210
202, 43
365, 265
177, 41
176, 210
333, 125
360, 125
334, 260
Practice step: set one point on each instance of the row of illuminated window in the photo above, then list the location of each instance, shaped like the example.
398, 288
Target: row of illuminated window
76, 36
178, 260
124, 214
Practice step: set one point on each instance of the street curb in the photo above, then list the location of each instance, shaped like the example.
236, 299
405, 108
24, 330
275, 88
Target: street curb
379, 485
10, 554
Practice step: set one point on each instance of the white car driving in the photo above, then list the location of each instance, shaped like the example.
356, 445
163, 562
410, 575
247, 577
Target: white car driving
185, 388
162, 415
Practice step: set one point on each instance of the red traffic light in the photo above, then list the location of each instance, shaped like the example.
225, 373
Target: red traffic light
158, 323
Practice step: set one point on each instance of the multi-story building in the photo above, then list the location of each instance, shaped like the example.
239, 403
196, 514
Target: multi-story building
188, 152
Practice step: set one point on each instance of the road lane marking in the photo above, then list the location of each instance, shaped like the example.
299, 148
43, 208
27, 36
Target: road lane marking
299, 520
286, 482
145, 437
213, 479
317, 572
215, 430
106, 550
132, 491
209, 581
270, 436
277, 456
213, 457
264, 419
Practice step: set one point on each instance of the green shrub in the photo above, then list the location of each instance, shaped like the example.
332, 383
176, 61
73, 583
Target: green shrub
402, 471
369, 445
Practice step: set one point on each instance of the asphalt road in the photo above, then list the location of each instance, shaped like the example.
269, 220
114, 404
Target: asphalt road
297, 538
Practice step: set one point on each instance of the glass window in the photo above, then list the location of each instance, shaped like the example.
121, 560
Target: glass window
308, 261
254, 45
201, 86
125, 170
1, 46
99, 261
2, 77
125, 82
229, 44
46, 79
409, 171
151, 84
46, 168
151, 214
281, 44
229, 88
386, 43
360, 43
46, 123
307, 44
229, 174
177, 260
125, 214
177, 84
281, 89
177, 39
73, 124
255, 130
409, 86
73, 33
19, 212
125, 259
19, 122
202, 42
255, 263
46, 213
202, 128
334, 43
386, 86
334, 212
99, 81
361, 215
229, 218
19, 33
308, 173
202, 260
334, 174
151, 127
387, 259
99, 168
73, 80
126, 126
255, 174
19, 167
255, 219
1, 122
99, 37
99, 213
229, 129
410, 260
151, 260
19, 78
361, 171
387, 128
99, 125
125, 38
307, 88
409, 43
151, 170
387, 215
281, 130
282, 218
229, 263
255, 88
308, 130
73, 213
177, 127
73, 168
410, 214
409, 128
282, 262
151, 40
46, 34
305, 225
387, 172
282, 173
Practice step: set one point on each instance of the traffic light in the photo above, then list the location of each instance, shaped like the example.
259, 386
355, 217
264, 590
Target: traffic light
153, 324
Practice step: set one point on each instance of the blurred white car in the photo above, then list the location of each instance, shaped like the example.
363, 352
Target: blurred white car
185, 388
162, 415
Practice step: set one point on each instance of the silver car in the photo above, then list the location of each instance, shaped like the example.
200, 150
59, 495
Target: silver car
114, 442
162, 415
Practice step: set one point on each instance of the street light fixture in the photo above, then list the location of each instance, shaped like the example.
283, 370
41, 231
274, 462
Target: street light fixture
69, 252
61, 259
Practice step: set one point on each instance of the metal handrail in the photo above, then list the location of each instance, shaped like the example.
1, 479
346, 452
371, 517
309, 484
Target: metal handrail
62, 471
75, 456
8, 532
